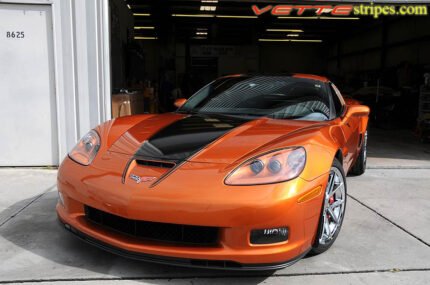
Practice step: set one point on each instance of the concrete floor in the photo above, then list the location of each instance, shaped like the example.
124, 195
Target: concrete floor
385, 237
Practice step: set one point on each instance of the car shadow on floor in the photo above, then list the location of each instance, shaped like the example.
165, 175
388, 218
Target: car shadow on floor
36, 230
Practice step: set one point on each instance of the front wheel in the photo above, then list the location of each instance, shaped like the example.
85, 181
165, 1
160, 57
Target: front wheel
333, 210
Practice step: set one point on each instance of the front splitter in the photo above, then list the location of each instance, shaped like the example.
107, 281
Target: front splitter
184, 262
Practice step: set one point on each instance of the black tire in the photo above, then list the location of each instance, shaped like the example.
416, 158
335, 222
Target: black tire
320, 245
359, 166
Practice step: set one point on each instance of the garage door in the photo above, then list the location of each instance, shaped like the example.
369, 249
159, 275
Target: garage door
28, 132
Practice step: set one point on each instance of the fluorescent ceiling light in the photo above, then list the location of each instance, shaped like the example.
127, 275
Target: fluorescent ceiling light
145, 38
194, 15
273, 40
141, 14
202, 33
199, 38
318, 18
288, 40
144, 28
128, 5
207, 8
292, 35
285, 30
209, 1
307, 41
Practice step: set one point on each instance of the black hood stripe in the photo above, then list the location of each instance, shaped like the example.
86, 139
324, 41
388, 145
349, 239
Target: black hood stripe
183, 138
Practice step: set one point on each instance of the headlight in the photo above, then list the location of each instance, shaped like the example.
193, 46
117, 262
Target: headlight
275, 166
86, 149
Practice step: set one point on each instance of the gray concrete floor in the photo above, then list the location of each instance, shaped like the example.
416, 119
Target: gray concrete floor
385, 237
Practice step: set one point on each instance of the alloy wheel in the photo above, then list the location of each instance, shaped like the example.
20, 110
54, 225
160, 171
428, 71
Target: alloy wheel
334, 206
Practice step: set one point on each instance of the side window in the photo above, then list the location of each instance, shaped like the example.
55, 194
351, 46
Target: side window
339, 103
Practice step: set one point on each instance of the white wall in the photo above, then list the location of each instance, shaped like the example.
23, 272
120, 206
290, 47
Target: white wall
82, 66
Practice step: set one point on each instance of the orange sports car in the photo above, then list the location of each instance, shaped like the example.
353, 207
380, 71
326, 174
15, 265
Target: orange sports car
247, 174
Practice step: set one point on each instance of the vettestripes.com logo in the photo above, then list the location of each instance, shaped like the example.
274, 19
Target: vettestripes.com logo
371, 9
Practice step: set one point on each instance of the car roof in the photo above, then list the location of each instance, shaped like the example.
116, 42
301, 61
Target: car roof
295, 75
311, 76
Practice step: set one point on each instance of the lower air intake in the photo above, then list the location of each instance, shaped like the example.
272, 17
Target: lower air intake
186, 235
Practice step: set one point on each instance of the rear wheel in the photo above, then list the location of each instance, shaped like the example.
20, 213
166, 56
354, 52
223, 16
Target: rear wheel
333, 210
360, 165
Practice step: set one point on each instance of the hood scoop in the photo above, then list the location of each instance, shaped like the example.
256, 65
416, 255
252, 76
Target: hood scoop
160, 154
153, 163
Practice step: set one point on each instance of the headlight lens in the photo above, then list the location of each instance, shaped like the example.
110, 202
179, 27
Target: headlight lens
86, 149
276, 166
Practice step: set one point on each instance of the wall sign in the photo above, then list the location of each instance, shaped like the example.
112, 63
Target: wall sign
15, 34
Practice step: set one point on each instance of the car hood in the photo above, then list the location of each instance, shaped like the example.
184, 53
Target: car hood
203, 138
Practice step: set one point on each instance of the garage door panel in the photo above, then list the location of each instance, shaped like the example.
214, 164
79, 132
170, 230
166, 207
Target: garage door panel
29, 131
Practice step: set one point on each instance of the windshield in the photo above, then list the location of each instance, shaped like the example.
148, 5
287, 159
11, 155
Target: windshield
279, 97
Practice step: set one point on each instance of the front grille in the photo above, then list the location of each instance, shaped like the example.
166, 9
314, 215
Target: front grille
161, 232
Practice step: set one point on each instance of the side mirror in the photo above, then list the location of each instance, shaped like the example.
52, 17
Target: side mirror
179, 102
356, 111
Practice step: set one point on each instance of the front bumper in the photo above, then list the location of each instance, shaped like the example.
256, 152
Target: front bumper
235, 210
195, 263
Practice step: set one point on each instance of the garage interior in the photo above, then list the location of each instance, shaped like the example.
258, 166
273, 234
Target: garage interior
163, 50
156, 57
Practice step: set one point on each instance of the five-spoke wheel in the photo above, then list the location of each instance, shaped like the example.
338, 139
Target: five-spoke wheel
334, 205
332, 211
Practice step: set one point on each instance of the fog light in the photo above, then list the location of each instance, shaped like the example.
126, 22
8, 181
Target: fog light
60, 198
267, 236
